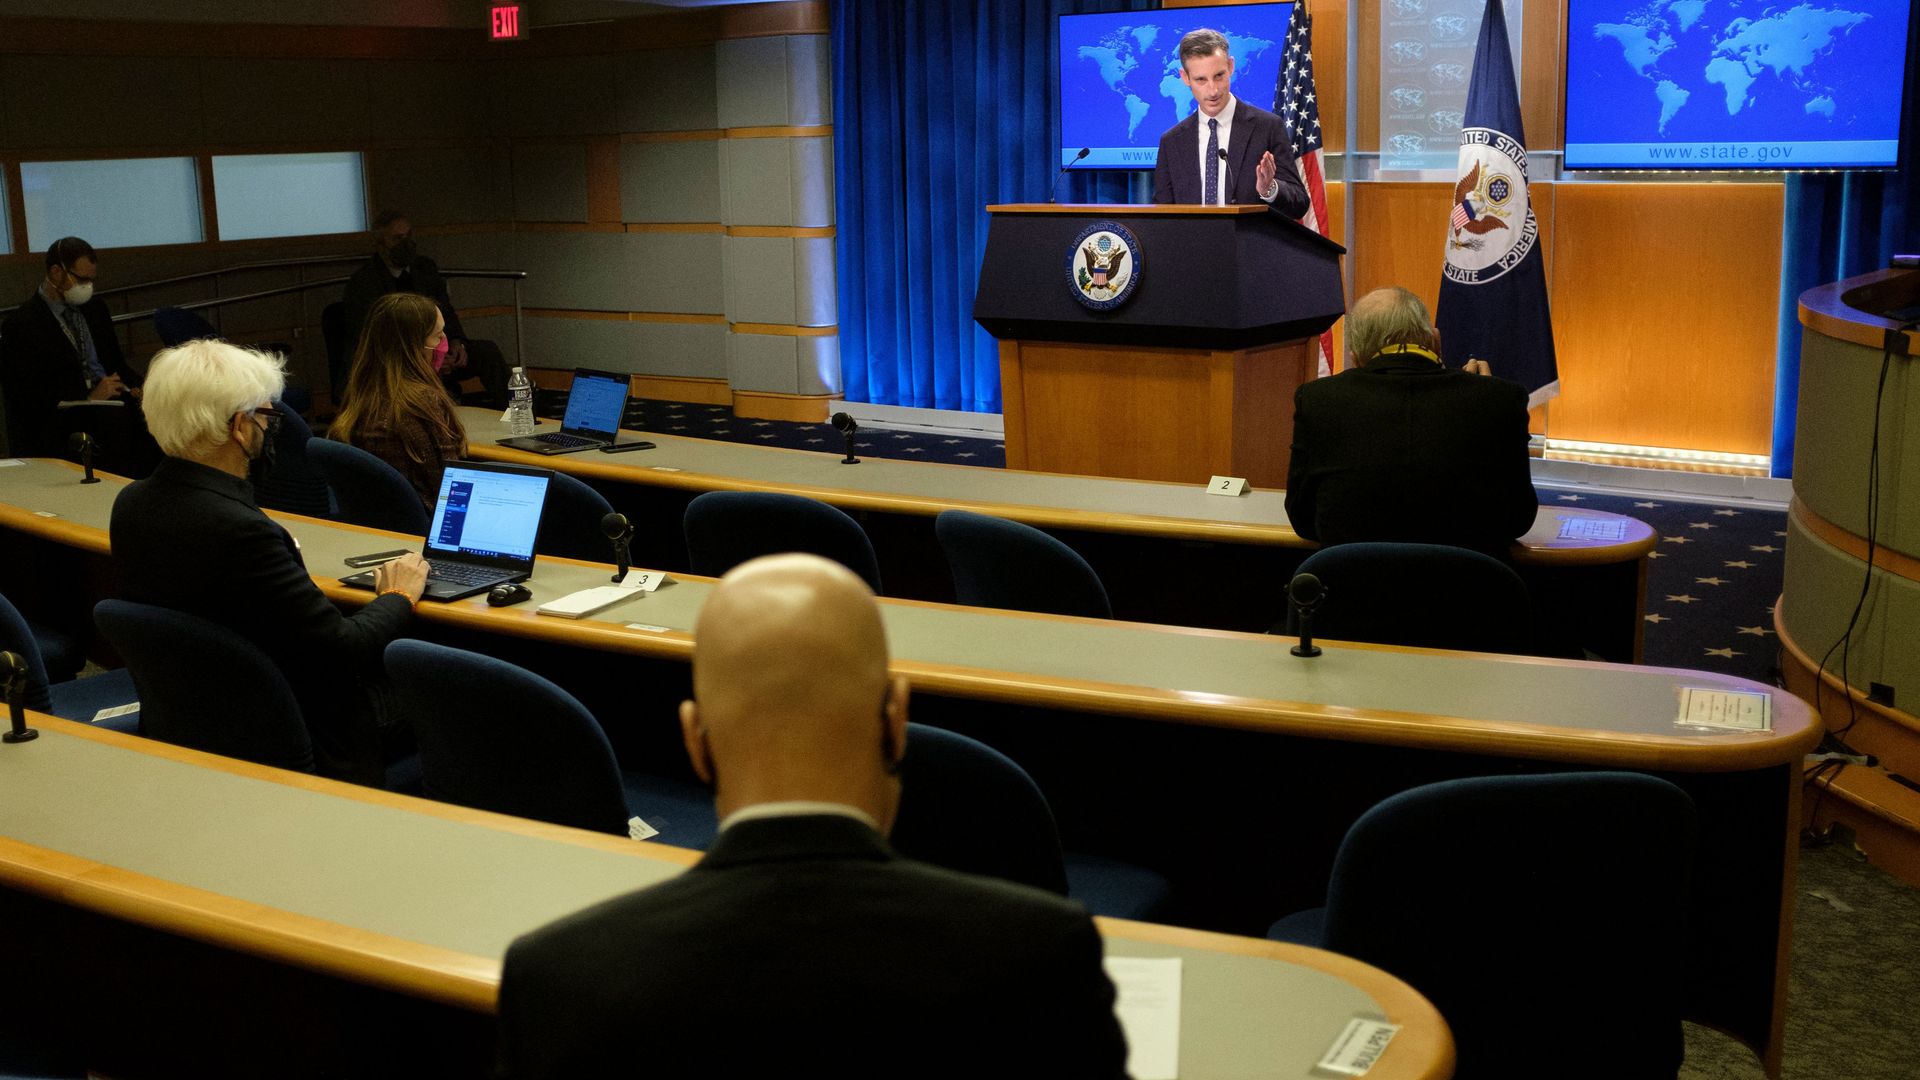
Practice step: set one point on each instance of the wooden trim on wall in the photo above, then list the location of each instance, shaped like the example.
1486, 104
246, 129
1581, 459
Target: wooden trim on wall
16, 210
781, 231
813, 132
713, 227
675, 388
1886, 559
209, 208
774, 20
627, 316
795, 408
700, 135
779, 330
603, 180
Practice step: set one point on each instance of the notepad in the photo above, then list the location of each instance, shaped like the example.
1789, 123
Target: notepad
578, 605
1586, 528
1148, 1006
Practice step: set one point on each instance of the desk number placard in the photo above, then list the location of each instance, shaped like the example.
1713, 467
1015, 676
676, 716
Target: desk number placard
1360, 1044
1228, 485
643, 580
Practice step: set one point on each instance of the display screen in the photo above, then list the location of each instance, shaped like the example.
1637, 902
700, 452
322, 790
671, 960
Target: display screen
1734, 84
1120, 87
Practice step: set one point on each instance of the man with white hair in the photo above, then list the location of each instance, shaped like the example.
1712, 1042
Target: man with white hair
1399, 447
802, 945
191, 538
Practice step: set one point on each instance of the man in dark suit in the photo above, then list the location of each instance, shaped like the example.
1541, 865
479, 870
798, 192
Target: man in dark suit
1402, 448
1258, 166
59, 346
190, 538
396, 265
802, 945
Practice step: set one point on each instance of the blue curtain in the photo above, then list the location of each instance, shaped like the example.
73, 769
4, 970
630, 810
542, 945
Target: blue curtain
940, 107
1839, 225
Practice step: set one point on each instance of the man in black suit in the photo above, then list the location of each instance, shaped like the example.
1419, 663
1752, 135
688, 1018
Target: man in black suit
190, 538
1402, 448
396, 265
802, 945
59, 346
1258, 166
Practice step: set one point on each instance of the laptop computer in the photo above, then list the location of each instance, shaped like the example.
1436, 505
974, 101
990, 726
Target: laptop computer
483, 529
595, 407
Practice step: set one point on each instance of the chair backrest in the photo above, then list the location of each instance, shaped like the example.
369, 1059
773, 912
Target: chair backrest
570, 526
497, 737
294, 484
17, 637
1003, 564
968, 807
1547, 904
1426, 595
367, 491
727, 528
177, 326
205, 687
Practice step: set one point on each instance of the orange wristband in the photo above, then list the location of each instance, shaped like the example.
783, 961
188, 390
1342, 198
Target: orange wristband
401, 595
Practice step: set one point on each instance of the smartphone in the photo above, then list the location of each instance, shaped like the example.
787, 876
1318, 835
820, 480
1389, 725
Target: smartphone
375, 559
621, 448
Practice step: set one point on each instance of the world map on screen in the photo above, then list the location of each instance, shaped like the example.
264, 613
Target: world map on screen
1735, 71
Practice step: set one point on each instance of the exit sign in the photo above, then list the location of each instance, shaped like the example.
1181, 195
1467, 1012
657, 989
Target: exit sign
506, 22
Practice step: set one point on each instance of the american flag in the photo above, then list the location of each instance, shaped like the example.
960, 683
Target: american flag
1462, 214
1294, 99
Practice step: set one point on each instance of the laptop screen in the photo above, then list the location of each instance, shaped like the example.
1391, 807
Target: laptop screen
596, 403
487, 513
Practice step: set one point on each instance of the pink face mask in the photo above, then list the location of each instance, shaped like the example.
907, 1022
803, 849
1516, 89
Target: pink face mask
440, 354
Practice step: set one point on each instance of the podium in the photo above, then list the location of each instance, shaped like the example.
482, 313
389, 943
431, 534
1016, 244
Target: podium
1191, 375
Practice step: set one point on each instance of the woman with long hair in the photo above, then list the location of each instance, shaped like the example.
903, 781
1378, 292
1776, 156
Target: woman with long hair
395, 407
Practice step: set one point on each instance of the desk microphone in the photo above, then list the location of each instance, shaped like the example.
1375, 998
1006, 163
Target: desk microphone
619, 530
1305, 593
1077, 159
82, 443
1229, 164
849, 427
13, 672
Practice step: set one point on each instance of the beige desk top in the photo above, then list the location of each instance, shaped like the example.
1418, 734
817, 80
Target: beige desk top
1047, 500
424, 898
1606, 714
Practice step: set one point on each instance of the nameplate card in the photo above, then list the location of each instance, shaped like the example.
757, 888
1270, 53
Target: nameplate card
1725, 710
1360, 1044
1147, 1004
649, 628
1233, 486
643, 580
1586, 528
128, 709
663, 468
12, 462
640, 830
45, 513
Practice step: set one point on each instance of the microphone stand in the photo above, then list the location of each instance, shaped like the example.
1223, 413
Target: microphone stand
620, 531
1224, 160
1305, 593
1053, 195
13, 670
83, 442
848, 427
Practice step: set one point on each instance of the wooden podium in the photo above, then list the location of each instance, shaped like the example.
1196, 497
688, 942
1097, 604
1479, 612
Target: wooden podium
1192, 375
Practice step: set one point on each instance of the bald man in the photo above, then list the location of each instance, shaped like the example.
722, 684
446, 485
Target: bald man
802, 944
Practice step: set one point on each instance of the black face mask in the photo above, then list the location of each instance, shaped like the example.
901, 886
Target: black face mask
402, 253
260, 465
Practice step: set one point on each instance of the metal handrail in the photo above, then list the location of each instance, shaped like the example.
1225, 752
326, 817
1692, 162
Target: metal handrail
270, 264
515, 276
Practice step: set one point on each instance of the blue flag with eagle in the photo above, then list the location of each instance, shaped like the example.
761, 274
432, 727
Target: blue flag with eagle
1493, 288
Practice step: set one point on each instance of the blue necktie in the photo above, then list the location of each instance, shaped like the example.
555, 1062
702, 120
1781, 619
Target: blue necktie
1213, 163
76, 328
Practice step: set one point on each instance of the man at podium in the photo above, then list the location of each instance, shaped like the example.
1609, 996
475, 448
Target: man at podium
1226, 151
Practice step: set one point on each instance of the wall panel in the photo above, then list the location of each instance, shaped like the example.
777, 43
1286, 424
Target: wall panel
279, 100
119, 102
673, 272
670, 181
550, 181
668, 90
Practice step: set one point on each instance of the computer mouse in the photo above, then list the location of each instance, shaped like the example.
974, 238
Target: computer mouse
502, 595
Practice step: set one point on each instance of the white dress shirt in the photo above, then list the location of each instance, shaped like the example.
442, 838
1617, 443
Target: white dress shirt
1200, 153
796, 808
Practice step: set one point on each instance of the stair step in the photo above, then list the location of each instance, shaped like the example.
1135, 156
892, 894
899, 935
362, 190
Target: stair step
1881, 809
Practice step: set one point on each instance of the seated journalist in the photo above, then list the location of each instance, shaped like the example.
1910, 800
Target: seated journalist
63, 371
396, 408
801, 944
1402, 448
191, 538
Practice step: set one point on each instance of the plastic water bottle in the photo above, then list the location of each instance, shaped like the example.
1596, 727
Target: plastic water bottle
520, 404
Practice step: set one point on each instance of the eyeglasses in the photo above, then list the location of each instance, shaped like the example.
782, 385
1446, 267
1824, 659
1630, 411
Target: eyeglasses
270, 419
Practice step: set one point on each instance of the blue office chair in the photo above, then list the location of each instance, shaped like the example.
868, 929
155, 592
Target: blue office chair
177, 326
570, 526
1546, 904
727, 528
294, 484
75, 699
205, 687
1426, 595
1004, 564
496, 737
367, 491
968, 807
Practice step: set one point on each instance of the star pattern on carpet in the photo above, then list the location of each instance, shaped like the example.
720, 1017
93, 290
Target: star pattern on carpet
1766, 549
1756, 631
1654, 617
1699, 524
1683, 598
1646, 505
1727, 513
1709, 581
1573, 498
1725, 654
1676, 539
1740, 564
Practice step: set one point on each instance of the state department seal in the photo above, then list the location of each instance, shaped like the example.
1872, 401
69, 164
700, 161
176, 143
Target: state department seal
1492, 228
1103, 265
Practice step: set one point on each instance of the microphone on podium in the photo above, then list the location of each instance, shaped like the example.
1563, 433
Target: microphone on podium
1077, 159
13, 673
1229, 164
82, 443
1305, 592
619, 530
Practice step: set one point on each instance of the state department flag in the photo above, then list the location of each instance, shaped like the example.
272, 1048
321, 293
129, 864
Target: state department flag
1493, 288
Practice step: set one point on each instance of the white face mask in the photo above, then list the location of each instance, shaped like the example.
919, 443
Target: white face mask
78, 293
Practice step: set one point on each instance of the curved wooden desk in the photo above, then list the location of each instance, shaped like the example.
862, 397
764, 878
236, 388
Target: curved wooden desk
1120, 525
1164, 744
422, 899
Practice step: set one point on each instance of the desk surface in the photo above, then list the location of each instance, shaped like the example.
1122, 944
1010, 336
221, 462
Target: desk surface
424, 898
1605, 714
1047, 500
